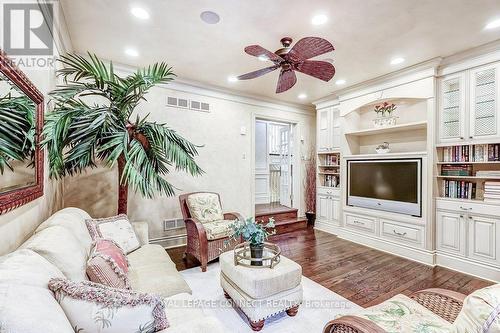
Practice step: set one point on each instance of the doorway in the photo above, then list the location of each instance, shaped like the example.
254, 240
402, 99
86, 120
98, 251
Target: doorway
274, 166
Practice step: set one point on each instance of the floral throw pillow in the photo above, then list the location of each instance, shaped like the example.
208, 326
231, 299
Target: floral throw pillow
205, 207
117, 228
93, 307
108, 264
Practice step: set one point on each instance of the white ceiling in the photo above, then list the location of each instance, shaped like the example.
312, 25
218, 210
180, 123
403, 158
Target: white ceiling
367, 34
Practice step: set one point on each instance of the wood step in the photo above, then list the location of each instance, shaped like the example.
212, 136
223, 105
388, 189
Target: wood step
282, 227
283, 216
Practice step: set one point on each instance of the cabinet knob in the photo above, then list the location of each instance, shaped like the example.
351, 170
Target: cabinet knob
461, 216
471, 137
461, 138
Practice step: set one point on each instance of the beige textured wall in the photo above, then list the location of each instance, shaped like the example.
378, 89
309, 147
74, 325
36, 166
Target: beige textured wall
221, 158
18, 225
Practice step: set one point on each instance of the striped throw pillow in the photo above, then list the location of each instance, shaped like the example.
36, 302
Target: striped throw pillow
108, 264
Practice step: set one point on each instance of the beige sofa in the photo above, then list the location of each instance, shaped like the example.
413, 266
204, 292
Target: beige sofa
59, 248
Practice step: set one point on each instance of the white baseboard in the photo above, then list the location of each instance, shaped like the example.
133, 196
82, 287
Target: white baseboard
326, 227
467, 266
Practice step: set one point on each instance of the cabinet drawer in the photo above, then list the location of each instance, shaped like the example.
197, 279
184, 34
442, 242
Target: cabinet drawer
333, 191
468, 207
361, 222
404, 233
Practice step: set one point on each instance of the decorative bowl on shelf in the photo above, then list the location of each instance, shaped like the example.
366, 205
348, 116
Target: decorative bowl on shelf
383, 148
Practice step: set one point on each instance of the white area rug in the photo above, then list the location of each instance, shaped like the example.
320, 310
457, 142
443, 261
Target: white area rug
320, 305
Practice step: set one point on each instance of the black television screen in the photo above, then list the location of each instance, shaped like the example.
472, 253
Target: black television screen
382, 184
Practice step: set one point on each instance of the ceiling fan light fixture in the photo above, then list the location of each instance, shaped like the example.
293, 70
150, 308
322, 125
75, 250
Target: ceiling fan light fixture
319, 19
210, 17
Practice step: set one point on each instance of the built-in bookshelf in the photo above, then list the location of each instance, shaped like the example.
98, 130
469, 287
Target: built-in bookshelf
329, 169
469, 172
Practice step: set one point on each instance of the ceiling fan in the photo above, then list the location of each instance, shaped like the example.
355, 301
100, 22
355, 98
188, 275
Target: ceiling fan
291, 59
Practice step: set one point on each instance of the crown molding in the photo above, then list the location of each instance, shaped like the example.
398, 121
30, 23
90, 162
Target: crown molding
409, 74
477, 56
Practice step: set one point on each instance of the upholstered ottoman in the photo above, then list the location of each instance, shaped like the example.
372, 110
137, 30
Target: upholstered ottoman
262, 292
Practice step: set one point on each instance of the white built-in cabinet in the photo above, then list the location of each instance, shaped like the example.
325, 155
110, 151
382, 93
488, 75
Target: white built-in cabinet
328, 129
468, 105
328, 206
469, 231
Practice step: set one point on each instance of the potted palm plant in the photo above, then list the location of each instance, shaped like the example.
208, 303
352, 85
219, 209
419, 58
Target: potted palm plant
255, 234
93, 119
310, 190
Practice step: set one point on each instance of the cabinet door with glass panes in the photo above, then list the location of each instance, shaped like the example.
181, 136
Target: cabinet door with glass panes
483, 102
324, 139
452, 108
335, 123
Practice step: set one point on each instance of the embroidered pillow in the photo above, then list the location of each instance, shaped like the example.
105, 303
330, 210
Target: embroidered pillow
205, 207
117, 228
108, 264
93, 307
480, 312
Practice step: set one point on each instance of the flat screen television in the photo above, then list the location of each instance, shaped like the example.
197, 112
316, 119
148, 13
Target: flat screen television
393, 185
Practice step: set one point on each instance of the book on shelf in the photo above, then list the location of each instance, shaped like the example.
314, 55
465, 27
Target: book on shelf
456, 170
331, 181
472, 153
459, 189
492, 192
488, 173
331, 160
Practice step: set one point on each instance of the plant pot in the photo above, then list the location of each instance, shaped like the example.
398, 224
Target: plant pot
256, 253
311, 218
384, 121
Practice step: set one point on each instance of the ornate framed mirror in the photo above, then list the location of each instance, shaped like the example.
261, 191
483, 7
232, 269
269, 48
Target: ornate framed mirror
21, 121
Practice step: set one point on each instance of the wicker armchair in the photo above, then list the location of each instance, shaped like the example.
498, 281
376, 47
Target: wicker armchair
444, 303
198, 245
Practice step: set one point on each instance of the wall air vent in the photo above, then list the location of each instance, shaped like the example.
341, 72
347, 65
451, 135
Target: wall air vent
173, 224
188, 104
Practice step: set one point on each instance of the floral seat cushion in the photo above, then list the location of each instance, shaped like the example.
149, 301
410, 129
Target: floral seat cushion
480, 312
218, 229
401, 314
205, 207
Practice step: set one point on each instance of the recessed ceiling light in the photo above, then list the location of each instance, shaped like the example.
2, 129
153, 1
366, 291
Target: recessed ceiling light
302, 96
210, 17
340, 82
397, 61
131, 52
140, 13
319, 19
263, 58
232, 78
492, 24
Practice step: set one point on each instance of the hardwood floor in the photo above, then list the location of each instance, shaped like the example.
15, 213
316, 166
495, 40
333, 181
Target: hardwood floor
358, 273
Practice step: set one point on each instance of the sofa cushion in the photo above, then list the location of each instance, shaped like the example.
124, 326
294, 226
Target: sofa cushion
29, 309
205, 207
152, 271
284, 276
74, 220
27, 268
61, 248
117, 228
108, 264
480, 312
218, 229
26, 303
93, 307
401, 314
